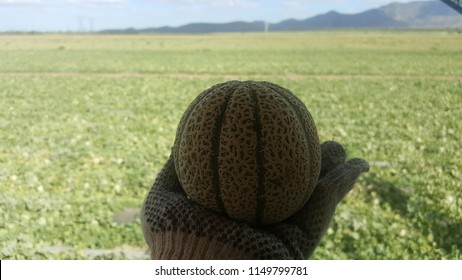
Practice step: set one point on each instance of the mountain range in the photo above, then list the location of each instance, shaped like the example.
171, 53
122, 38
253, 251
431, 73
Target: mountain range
418, 14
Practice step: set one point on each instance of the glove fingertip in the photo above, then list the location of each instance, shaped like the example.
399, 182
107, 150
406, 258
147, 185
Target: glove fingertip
352, 170
332, 155
359, 163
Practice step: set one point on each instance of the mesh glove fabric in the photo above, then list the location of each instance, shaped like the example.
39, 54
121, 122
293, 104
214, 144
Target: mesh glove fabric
177, 228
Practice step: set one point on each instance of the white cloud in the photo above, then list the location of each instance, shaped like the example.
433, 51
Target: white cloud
338, 2
58, 2
97, 1
19, 2
298, 6
214, 3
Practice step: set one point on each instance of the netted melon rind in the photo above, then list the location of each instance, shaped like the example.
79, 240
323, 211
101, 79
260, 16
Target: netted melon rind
249, 150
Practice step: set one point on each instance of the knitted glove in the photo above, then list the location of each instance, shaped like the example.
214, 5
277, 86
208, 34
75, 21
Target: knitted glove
177, 228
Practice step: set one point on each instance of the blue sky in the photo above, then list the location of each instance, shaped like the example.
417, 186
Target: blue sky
85, 15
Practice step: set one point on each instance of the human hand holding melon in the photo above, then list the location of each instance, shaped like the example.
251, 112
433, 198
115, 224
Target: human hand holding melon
247, 179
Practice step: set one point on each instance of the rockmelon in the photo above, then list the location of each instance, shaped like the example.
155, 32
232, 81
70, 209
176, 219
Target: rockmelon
248, 150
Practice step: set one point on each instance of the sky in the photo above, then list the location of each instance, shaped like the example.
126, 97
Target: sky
94, 15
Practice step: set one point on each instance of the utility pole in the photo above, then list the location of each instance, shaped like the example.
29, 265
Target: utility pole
91, 21
80, 23
267, 27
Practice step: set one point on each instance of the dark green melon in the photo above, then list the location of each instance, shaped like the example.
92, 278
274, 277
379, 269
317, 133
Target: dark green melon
248, 150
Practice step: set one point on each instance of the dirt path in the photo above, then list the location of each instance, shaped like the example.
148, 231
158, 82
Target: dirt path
290, 76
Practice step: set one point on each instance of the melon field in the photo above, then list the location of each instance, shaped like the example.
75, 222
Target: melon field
87, 122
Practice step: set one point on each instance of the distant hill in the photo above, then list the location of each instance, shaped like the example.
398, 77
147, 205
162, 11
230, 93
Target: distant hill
333, 20
434, 14
419, 14
237, 26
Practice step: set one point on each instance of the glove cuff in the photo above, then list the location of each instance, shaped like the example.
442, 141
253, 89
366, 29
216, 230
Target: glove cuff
181, 246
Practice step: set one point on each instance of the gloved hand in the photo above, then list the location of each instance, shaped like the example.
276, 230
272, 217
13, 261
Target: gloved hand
177, 228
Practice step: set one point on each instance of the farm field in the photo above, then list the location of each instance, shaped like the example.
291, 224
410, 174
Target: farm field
87, 122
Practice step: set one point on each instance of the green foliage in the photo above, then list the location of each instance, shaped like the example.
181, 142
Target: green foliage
86, 122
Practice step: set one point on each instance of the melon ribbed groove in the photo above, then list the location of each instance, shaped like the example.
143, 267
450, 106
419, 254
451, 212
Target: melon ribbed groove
215, 162
184, 121
300, 121
260, 160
